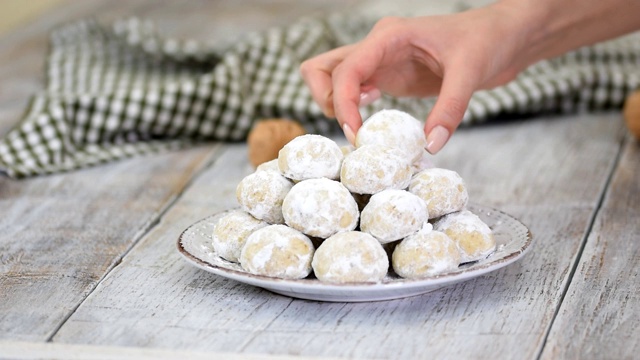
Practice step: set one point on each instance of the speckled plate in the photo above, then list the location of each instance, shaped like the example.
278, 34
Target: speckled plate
512, 237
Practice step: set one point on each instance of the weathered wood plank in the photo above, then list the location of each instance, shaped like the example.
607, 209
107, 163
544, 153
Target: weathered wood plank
600, 317
155, 299
60, 234
17, 350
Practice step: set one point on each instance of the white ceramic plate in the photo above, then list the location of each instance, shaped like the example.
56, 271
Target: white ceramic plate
512, 238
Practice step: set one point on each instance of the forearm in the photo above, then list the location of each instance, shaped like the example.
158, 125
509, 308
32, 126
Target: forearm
553, 27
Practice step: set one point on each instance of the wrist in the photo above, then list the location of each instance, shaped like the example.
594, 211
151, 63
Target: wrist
552, 27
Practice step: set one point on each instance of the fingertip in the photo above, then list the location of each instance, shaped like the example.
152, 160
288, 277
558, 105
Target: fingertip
437, 138
349, 134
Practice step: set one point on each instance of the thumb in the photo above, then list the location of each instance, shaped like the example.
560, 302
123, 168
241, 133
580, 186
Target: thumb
448, 111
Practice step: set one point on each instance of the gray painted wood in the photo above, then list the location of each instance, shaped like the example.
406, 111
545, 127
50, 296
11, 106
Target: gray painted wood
74, 239
155, 299
600, 317
59, 235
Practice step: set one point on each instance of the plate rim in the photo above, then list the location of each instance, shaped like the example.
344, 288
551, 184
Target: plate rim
310, 284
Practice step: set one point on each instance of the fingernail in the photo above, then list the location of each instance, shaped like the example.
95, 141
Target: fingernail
348, 133
436, 139
369, 97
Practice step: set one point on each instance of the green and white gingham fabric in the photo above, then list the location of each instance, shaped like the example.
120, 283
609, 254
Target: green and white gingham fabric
123, 90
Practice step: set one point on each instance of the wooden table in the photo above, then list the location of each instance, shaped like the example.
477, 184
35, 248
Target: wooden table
89, 267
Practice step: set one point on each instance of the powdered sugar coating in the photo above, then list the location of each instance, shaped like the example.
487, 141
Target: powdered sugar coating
261, 194
310, 156
422, 163
372, 168
443, 190
347, 149
277, 251
231, 232
351, 256
393, 128
474, 237
320, 208
425, 253
393, 214
269, 165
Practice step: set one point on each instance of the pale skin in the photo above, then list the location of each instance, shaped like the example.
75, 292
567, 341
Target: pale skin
451, 56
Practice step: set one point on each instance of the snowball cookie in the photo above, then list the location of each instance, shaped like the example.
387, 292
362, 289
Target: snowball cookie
320, 208
261, 195
309, 157
473, 236
372, 168
231, 231
277, 251
393, 214
425, 253
351, 256
269, 165
347, 149
394, 128
443, 190
423, 163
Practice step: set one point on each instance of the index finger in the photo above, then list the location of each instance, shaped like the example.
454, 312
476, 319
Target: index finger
317, 74
348, 79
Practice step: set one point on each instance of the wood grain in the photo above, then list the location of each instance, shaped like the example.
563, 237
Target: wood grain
59, 235
19, 350
89, 257
153, 298
600, 317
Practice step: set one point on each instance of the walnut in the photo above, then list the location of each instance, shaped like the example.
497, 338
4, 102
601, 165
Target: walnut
632, 113
269, 136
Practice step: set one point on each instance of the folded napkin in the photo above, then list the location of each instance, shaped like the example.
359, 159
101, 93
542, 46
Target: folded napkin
123, 90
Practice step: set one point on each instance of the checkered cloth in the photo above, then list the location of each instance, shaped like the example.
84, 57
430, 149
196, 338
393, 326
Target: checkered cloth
123, 90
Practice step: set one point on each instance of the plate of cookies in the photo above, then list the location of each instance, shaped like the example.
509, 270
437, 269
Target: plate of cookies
374, 221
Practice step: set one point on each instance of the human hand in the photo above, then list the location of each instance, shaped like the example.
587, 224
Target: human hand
450, 56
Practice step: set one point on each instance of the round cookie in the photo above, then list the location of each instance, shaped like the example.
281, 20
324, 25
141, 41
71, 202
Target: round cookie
351, 256
425, 253
277, 251
347, 149
393, 214
443, 190
424, 162
473, 236
396, 129
231, 232
310, 156
372, 168
320, 208
261, 195
269, 165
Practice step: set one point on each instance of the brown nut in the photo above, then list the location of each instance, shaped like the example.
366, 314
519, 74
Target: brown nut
269, 136
631, 113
